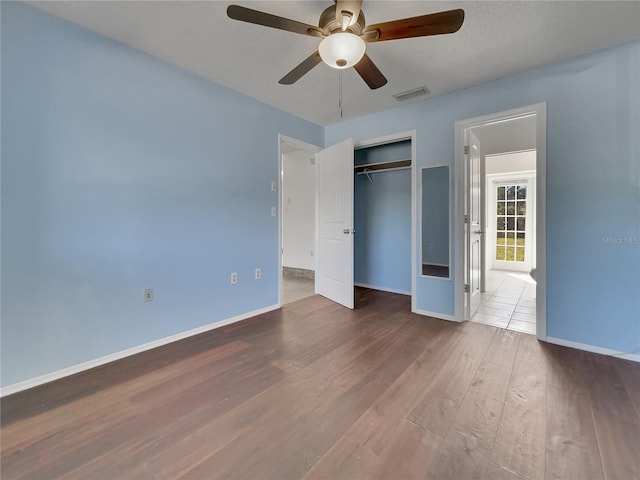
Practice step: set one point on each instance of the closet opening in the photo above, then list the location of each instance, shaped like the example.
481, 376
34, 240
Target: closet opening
383, 213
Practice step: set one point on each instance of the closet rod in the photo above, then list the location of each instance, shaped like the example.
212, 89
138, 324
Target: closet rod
382, 166
367, 172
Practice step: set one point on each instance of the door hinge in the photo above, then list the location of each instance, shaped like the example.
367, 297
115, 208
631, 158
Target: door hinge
467, 289
466, 149
466, 219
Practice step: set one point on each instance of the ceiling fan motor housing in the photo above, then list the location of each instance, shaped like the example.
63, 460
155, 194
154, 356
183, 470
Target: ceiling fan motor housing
329, 24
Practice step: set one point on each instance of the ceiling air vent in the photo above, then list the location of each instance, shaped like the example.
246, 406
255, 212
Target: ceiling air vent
416, 92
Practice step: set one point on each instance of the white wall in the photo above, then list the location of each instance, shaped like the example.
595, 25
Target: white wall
298, 210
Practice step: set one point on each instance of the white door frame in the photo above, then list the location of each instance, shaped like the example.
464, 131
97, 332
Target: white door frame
473, 298
540, 110
299, 144
398, 137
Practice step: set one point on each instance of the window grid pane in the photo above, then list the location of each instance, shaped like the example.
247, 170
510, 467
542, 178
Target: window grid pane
522, 192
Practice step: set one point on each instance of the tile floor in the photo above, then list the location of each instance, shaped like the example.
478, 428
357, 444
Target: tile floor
294, 288
509, 302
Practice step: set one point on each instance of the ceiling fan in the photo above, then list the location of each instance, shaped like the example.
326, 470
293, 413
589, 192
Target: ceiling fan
345, 34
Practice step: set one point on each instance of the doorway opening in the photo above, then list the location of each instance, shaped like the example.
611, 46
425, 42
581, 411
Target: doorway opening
500, 240
337, 172
508, 299
297, 219
384, 217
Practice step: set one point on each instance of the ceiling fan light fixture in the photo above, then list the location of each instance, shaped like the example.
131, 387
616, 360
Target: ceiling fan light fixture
342, 50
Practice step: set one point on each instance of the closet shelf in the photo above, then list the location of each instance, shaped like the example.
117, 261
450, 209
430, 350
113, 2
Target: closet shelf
381, 166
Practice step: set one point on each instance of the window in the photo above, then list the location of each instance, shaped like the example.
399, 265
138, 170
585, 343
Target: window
511, 212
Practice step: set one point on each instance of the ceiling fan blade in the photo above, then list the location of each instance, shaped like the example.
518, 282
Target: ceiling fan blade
298, 72
351, 7
370, 73
422, 26
236, 12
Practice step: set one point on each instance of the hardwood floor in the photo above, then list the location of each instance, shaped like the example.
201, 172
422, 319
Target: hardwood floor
315, 391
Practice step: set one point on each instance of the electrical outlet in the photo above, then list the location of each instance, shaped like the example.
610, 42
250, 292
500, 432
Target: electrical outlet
258, 273
274, 187
234, 278
274, 211
148, 294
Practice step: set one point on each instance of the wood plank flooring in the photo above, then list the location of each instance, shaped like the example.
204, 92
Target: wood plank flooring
317, 391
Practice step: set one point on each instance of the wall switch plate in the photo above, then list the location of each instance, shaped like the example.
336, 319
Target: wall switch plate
274, 186
258, 273
234, 278
148, 294
274, 211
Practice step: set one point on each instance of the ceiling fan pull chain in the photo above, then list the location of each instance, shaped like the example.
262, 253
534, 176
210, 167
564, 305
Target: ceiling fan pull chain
340, 91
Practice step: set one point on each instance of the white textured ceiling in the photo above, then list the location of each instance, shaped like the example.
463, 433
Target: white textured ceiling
498, 39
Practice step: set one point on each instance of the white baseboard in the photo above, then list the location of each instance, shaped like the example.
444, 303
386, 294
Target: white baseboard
65, 372
383, 289
591, 348
441, 316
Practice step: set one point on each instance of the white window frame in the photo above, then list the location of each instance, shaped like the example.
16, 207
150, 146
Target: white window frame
492, 181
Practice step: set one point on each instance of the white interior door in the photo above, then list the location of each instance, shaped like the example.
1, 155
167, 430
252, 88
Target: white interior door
334, 227
475, 225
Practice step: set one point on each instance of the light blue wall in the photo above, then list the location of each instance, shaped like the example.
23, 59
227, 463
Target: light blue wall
382, 219
435, 215
121, 172
593, 185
